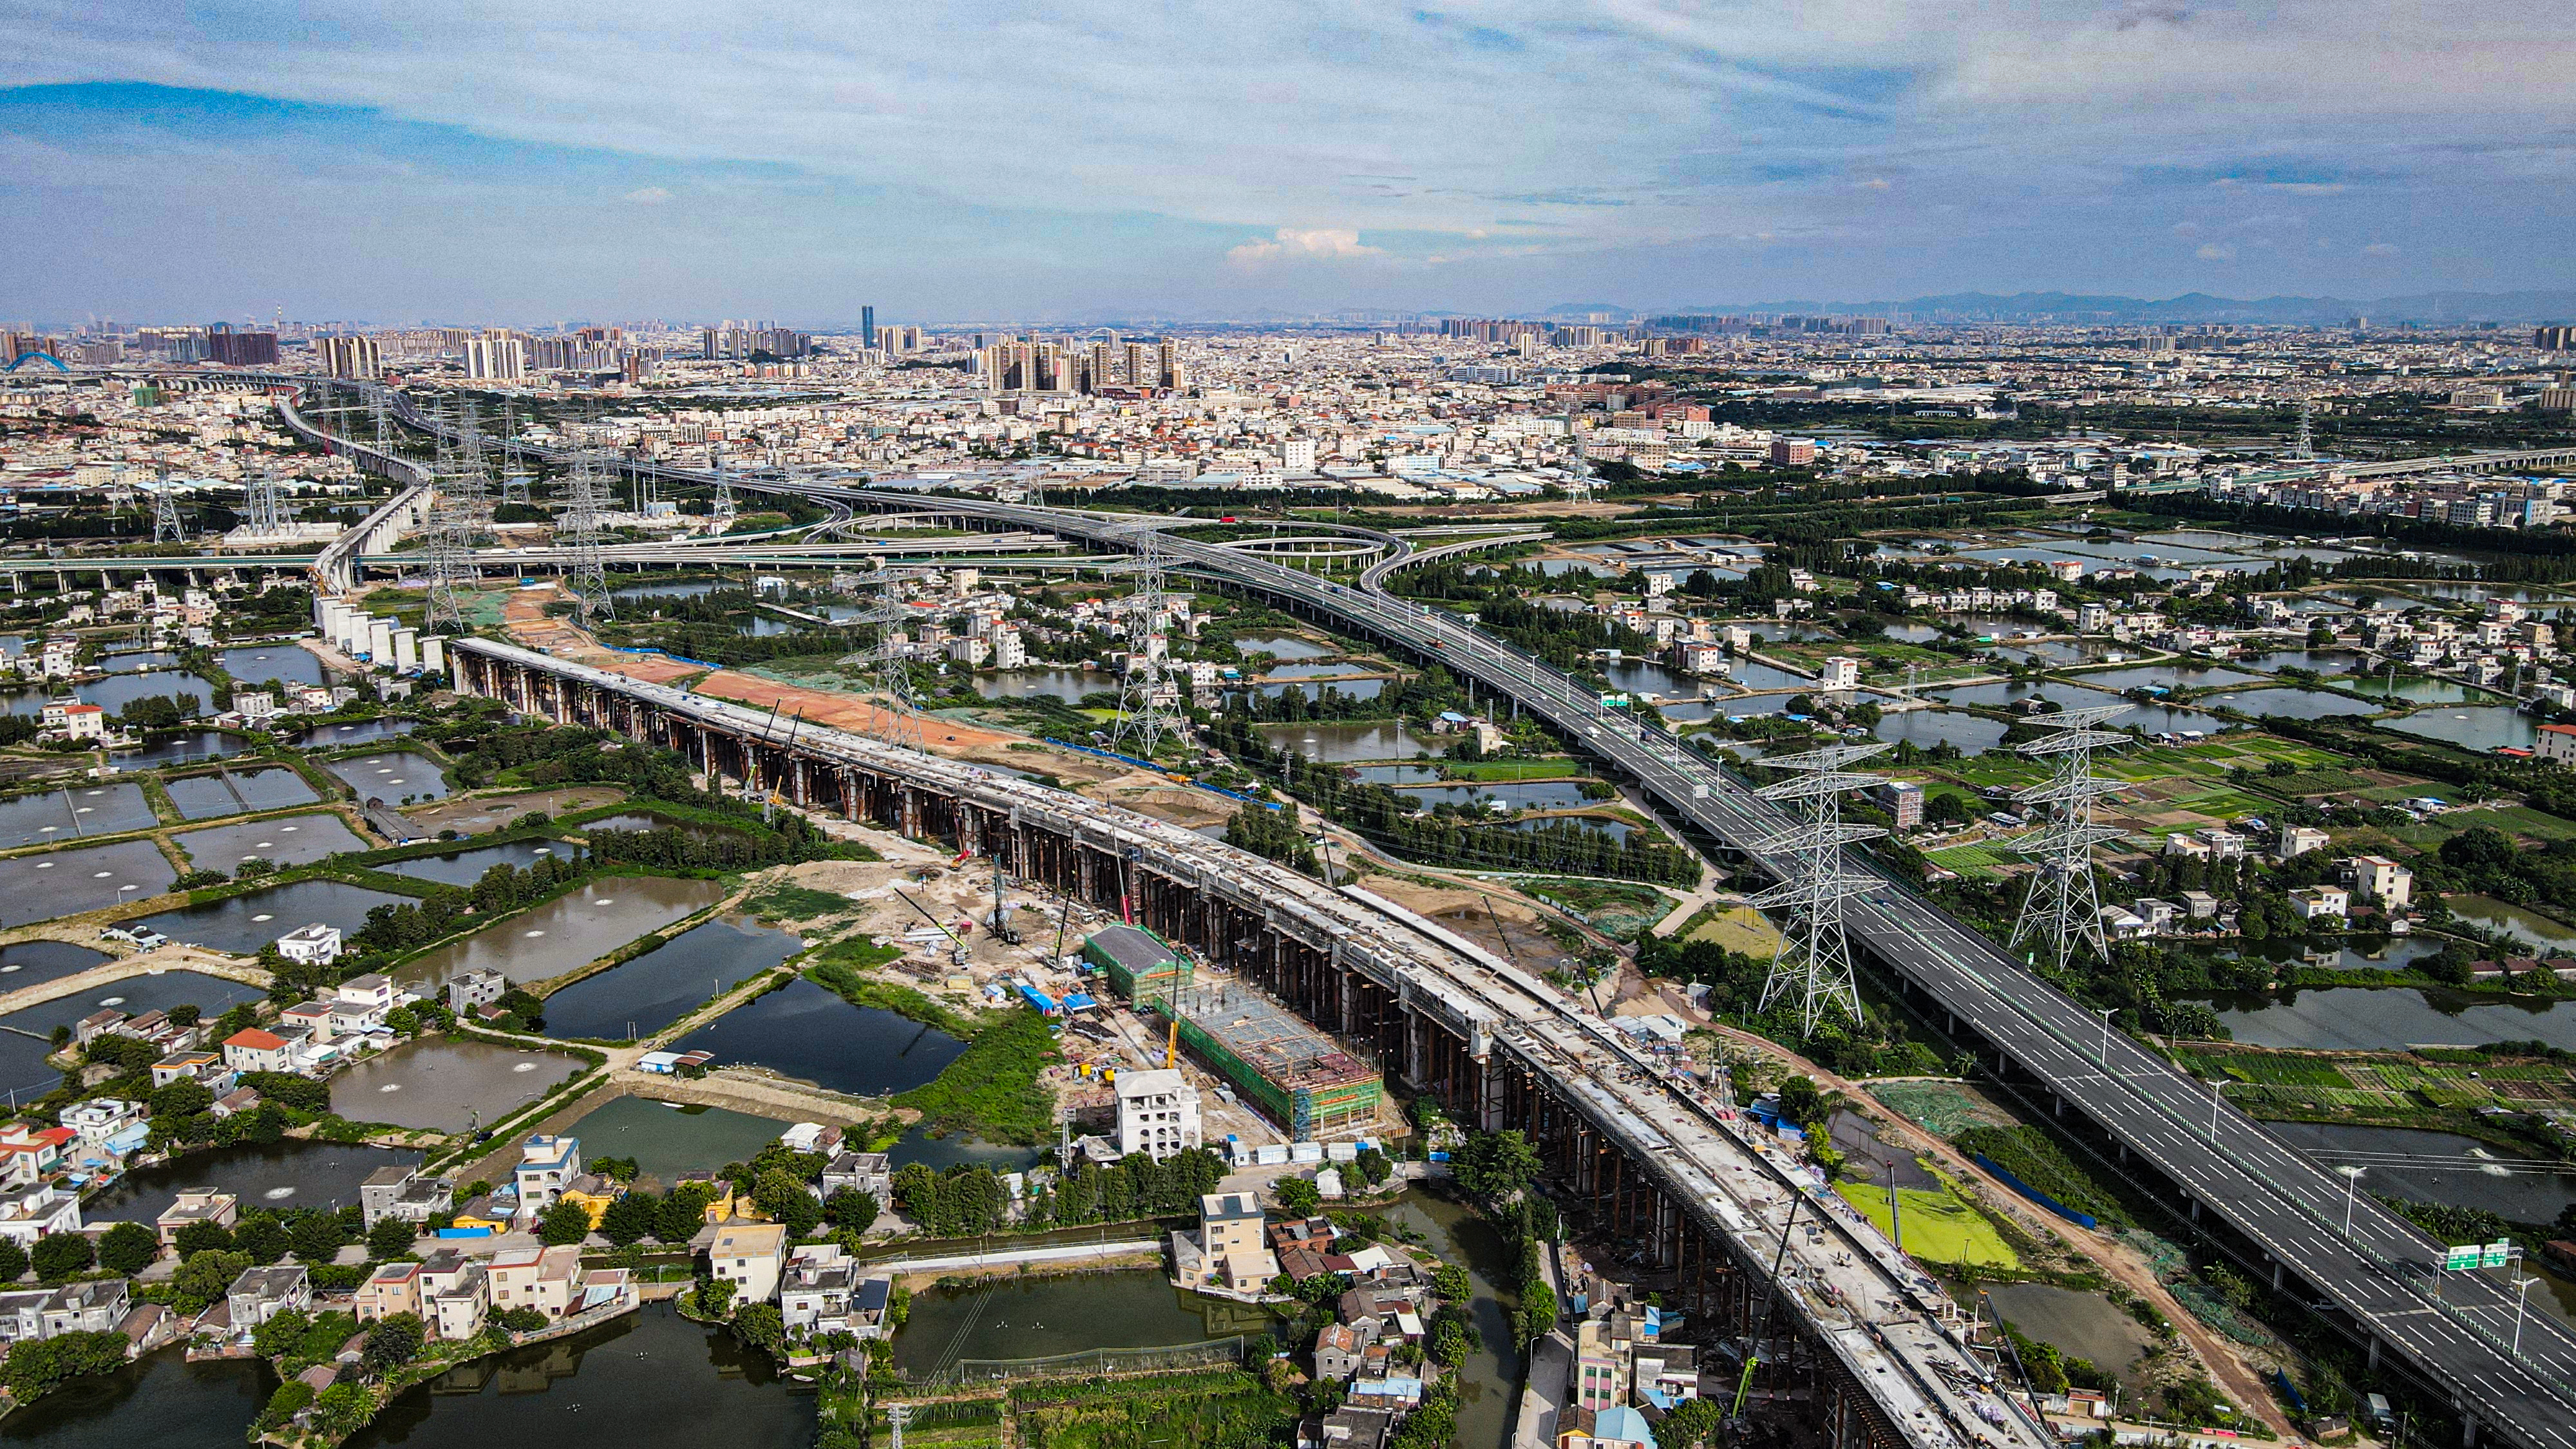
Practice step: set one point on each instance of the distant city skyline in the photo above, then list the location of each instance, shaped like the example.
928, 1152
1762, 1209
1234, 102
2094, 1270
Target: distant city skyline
494, 162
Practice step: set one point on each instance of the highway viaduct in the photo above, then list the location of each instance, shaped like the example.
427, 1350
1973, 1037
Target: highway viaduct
2362, 1268
1854, 1339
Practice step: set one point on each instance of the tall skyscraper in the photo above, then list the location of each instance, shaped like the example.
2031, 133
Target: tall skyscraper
239, 349
867, 326
348, 355
496, 359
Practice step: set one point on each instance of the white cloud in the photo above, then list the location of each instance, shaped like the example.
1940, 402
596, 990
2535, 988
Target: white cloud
649, 195
2379, 249
1332, 244
2216, 252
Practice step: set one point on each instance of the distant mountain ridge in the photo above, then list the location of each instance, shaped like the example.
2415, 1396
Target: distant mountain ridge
2531, 305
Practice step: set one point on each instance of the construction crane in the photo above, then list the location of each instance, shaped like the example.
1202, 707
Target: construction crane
958, 955
1172, 1046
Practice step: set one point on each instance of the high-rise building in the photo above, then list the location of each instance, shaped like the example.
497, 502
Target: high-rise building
228, 348
867, 326
348, 355
1169, 368
1297, 455
2554, 339
496, 359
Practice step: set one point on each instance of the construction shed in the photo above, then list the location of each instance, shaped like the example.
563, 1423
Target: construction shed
1142, 966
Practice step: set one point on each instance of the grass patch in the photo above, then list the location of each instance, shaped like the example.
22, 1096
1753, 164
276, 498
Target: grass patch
2029, 1154
992, 1091
1552, 768
1939, 1226
837, 967
788, 902
1741, 929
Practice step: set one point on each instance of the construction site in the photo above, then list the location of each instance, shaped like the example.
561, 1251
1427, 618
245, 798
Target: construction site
1280, 1066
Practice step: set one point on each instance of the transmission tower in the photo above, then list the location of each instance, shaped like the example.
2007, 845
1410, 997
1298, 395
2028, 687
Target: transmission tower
1149, 702
896, 1414
2303, 448
474, 477
384, 424
265, 515
577, 532
2064, 909
723, 512
166, 526
889, 669
1813, 960
452, 573
514, 469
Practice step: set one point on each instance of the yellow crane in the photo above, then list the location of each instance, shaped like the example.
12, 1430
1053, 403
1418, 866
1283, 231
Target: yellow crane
1172, 1047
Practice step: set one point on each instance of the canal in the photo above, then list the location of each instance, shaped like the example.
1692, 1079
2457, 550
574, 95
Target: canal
161, 1400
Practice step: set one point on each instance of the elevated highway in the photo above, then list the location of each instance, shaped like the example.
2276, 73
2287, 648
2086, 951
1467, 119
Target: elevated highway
2460, 1335
1864, 1338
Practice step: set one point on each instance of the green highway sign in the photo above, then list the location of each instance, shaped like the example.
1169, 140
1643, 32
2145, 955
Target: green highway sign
2462, 1259
2498, 1253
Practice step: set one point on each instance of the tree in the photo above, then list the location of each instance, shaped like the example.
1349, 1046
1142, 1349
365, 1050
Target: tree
318, 1237
393, 1342
520, 1320
13, 1261
203, 1277
1495, 1165
1450, 1343
201, 1237
391, 1237
630, 1219
780, 1195
1537, 1311
128, 1248
851, 1210
1450, 1282
184, 1097
36, 1366
566, 1222
1800, 1101
278, 1337
1298, 1196
292, 1398
680, 1214
261, 1236
715, 1297
59, 1256
342, 1410
1690, 1424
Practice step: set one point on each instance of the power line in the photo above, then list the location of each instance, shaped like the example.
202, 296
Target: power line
1149, 710
577, 533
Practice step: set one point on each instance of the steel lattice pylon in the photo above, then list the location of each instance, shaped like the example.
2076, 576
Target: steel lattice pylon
2064, 906
577, 533
452, 571
166, 526
889, 671
722, 514
1149, 702
514, 476
1813, 961
262, 509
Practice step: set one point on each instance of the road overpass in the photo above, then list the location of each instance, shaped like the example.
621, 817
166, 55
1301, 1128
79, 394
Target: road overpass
1859, 1336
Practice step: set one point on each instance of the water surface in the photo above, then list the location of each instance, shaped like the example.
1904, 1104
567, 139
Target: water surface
465, 867
808, 1033
160, 1400
2478, 727
283, 1174
641, 996
1338, 743
283, 841
242, 924
257, 664
62, 882
237, 792
447, 1084
669, 1141
569, 931
394, 777
2358, 1018
69, 812
182, 748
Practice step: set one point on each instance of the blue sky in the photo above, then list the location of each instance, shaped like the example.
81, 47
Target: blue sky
576, 159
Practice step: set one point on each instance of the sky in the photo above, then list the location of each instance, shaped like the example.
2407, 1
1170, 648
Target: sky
469, 161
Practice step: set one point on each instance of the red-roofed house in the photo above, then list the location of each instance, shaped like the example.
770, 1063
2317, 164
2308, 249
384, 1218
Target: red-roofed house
2557, 742
254, 1050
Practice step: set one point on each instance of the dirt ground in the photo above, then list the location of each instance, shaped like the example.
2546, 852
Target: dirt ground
1500, 921
476, 814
